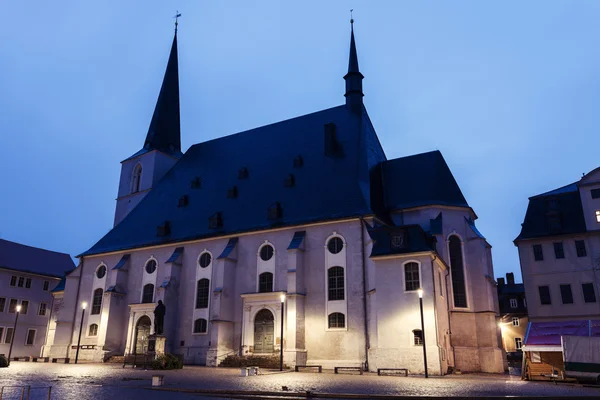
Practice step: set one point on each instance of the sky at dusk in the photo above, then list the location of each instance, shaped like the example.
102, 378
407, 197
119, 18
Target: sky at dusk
509, 92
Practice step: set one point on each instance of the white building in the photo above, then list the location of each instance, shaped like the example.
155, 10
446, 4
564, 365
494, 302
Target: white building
559, 250
27, 277
310, 208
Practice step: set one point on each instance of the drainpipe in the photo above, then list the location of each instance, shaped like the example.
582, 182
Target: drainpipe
449, 319
435, 314
364, 272
76, 302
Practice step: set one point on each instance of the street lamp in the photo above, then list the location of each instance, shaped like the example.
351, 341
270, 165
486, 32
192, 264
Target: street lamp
12, 339
423, 332
83, 306
281, 336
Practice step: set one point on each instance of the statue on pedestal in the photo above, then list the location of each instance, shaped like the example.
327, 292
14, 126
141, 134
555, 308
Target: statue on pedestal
159, 318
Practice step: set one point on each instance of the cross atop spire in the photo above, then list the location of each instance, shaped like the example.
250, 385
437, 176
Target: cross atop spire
177, 15
354, 93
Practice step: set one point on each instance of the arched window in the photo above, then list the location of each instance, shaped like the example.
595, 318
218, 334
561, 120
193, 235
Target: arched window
266, 252
335, 278
97, 301
202, 293
151, 266
417, 337
205, 260
458, 272
335, 245
265, 282
336, 320
101, 272
411, 277
200, 325
93, 330
148, 294
136, 179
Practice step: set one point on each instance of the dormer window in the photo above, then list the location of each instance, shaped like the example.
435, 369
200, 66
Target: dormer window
232, 193
290, 181
243, 173
136, 179
183, 201
595, 193
275, 211
195, 183
298, 162
164, 229
215, 221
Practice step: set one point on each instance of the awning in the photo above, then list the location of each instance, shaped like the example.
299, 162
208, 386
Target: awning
541, 348
122, 262
228, 249
297, 240
175, 256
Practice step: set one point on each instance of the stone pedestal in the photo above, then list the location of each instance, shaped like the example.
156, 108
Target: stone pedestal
156, 345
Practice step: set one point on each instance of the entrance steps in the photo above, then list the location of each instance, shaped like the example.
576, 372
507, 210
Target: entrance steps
116, 360
268, 362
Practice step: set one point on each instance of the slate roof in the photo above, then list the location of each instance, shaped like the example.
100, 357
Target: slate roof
567, 209
420, 180
20, 257
325, 187
388, 240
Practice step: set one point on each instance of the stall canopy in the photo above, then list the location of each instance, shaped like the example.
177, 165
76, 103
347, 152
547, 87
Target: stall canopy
545, 336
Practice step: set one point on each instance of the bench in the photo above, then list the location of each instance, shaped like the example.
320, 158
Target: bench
297, 367
65, 360
380, 370
44, 359
359, 369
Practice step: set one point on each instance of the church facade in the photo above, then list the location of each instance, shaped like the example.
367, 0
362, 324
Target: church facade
304, 228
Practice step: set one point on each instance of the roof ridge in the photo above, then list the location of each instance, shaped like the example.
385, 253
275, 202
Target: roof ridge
36, 248
550, 192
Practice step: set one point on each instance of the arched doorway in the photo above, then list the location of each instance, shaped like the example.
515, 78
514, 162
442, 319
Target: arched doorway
142, 331
263, 331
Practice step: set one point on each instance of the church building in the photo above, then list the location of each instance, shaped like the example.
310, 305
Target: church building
302, 224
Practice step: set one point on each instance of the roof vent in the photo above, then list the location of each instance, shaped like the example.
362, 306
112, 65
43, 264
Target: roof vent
195, 184
232, 193
183, 201
275, 211
290, 181
298, 162
215, 221
164, 229
332, 146
243, 173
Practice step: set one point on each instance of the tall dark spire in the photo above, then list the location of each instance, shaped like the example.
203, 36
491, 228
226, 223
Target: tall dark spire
354, 93
164, 131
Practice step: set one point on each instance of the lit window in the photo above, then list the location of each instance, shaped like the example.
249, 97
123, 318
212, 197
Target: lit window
513, 303
518, 343
93, 330
200, 326
515, 321
417, 337
597, 215
336, 320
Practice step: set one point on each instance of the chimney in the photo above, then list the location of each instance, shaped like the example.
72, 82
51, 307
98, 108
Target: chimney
510, 278
501, 282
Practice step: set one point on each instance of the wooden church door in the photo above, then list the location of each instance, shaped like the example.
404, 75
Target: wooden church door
263, 332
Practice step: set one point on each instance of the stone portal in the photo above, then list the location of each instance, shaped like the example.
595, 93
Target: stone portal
263, 332
142, 331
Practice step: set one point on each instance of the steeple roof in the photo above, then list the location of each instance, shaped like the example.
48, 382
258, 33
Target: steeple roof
164, 132
353, 78
353, 61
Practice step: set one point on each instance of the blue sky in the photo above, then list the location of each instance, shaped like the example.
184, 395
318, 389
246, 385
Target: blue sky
508, 91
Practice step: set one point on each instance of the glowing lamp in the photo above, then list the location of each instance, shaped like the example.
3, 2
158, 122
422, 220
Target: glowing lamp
84, 305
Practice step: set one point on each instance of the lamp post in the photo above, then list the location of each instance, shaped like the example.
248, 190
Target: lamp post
281, 336
83, 306
12, 339
423, 332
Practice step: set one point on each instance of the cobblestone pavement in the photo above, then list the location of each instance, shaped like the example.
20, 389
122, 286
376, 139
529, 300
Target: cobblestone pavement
106, 381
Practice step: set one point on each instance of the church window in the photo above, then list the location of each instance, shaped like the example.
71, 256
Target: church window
275, 211
417, 337
93, 331
265, 282
411, 277
335, 245
243, 173
97, 301
215, 221
335, 278
101, 272
148, 293
538, 254
151, 266
458, 272
202, 293
137, 179
266, 252
336, 320
205, 260
200, 325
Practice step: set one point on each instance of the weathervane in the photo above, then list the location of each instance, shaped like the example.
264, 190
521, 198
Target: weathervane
177, 15
351, 19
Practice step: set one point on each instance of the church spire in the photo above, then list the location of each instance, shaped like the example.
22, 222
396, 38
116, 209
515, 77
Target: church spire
354, 93
164, 131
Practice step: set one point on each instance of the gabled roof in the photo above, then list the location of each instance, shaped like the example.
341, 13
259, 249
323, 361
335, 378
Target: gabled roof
20, 257
566, 210
326, 187
420, 180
